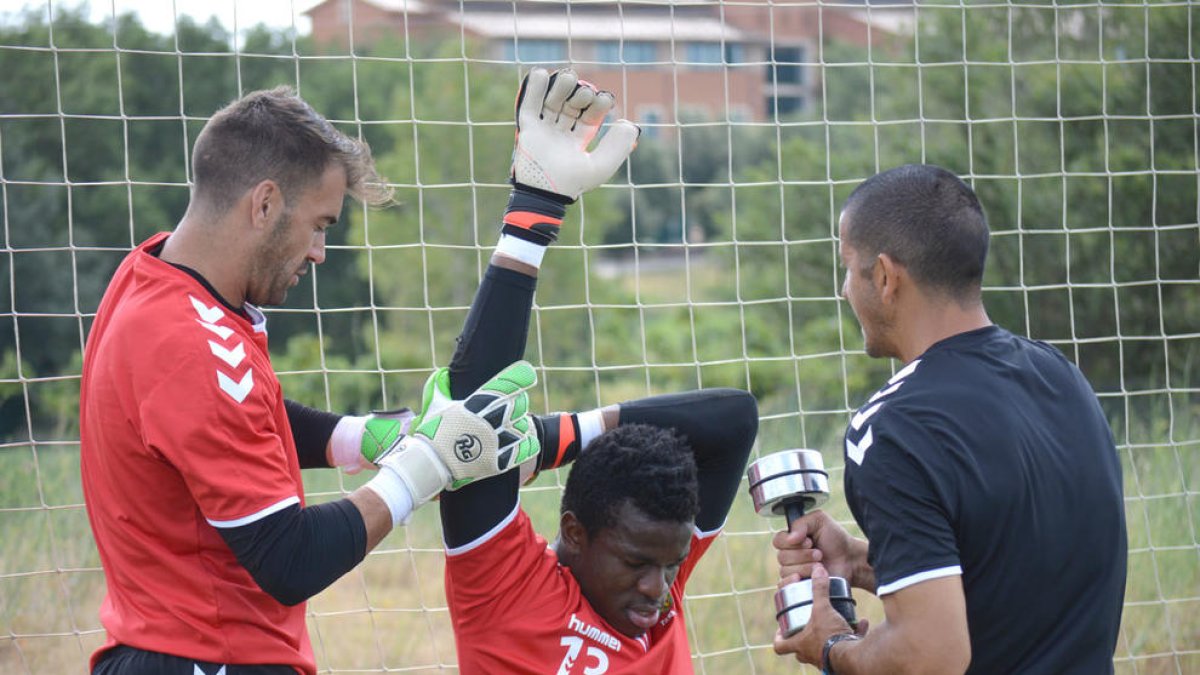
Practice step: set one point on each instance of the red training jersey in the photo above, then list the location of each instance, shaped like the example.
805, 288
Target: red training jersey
183, 431
516, 610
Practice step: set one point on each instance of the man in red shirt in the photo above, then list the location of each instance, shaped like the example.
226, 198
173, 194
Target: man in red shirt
191, 456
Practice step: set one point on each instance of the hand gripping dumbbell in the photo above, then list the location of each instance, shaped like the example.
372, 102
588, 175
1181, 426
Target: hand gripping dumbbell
791, 483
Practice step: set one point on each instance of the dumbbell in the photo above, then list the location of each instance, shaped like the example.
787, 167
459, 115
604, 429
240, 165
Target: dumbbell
791, 483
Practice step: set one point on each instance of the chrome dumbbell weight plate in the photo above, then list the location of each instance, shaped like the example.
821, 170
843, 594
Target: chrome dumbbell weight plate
785, 476
793, 604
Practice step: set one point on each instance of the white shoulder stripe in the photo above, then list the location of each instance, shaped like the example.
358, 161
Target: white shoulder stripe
904, 372
207, 314
912, 579
863, 415
486, 536
254, 517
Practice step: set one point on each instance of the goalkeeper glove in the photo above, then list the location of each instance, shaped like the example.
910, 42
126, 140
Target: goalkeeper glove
358, 441
452, 443
558, 116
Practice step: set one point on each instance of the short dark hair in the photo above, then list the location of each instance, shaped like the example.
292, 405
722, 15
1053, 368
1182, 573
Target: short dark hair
274, 134
927, 220
651, 467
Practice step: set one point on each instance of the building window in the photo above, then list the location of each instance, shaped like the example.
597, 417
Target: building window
713, 53
704, 53
787, 65
536, 51
610, 51
784, 106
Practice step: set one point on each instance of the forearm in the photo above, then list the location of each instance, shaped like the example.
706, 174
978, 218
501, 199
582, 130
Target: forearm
886, 650
296, 553
311, 431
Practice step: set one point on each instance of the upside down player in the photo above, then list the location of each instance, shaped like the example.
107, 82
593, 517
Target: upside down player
642, 504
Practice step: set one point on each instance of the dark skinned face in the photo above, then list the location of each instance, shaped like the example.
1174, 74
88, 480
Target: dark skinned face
626, 571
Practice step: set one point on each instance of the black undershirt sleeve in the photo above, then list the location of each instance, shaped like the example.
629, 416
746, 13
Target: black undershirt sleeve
493, 336
296, 553
720, 425
311, 429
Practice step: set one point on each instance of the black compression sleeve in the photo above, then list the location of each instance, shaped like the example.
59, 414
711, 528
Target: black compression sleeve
495, 331
296, 553
311, 429
493, 336
720, 425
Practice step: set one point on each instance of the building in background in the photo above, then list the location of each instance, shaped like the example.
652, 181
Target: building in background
683, 61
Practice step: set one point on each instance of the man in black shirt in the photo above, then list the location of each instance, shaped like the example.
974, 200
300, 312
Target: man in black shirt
983, 474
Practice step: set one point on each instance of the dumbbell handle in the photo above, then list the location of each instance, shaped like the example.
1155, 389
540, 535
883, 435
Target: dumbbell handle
795, 511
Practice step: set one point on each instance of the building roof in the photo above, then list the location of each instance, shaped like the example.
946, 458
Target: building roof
592, 26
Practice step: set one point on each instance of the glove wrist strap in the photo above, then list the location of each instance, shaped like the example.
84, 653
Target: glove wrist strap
534, 215
394, 492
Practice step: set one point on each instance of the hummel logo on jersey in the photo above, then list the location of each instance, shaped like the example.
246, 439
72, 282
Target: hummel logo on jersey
237, 389
591, 632
222, 332
864, 415
231, 356
856, 451
207, 314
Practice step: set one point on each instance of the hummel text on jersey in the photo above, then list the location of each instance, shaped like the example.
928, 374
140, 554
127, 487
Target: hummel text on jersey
594, 633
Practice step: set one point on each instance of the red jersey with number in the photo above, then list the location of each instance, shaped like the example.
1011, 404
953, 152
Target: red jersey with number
183, 431
516, 610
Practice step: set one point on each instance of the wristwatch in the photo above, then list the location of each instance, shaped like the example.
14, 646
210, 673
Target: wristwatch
826, 666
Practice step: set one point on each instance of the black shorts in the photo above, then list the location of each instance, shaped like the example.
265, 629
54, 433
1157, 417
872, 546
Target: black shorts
125, 660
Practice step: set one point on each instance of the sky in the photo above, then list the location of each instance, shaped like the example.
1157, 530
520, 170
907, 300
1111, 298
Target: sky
158, 15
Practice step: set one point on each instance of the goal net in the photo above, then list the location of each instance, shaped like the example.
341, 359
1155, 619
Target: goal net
711, 260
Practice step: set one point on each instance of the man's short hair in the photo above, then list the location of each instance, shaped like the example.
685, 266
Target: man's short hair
650, 467
927, 220
273, 134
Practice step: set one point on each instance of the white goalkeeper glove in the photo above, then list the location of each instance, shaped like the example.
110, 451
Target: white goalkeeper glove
452, 443
557, 117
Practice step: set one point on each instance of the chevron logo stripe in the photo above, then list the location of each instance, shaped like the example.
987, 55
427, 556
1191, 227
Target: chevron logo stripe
857, 451
864, 415
233, 357
238, 391
904, 372
207, 314
884, 392
222, 332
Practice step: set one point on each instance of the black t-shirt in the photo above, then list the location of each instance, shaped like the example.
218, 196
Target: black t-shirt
989, 457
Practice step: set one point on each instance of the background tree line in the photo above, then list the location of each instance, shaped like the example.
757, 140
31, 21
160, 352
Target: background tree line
1084, 156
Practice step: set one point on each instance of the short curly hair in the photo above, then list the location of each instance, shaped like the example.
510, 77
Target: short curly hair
651, 467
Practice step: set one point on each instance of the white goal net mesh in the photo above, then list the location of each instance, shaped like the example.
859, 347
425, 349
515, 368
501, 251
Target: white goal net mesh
710, 261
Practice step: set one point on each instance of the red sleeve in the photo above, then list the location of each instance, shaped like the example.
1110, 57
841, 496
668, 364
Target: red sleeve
509, 572
700, 545
230, 454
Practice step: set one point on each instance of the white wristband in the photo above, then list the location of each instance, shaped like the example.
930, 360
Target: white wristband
519, 249
591, 425
392, 490
346, 442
